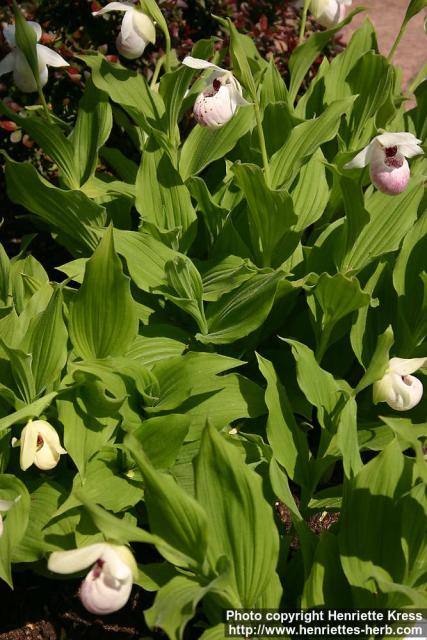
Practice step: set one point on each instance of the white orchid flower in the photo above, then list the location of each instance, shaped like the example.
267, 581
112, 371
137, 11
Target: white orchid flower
15, 62
108, 584
40, 445
218, 102
5, 505
329, 13
397, 387
386, 156
136, 32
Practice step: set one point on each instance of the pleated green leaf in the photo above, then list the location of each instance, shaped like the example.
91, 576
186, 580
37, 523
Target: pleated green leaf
103, 318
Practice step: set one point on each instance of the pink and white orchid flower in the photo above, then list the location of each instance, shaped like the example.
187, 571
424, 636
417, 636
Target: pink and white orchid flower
218, 102
40, 445
5, 505
136, 32
15, 62
400, 390
386, 156
108, 584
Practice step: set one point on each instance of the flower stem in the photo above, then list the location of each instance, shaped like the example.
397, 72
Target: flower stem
262, 141
303, 21
160, 62
44, 103
397, 41
168, 52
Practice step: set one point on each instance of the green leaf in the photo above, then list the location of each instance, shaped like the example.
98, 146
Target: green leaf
271, 215
162, 437
371, 78
242, 311
380, 359
288, 442
52, 140
84, 435
16, 521
186, 284
304, 140
46, 340
326, 584
232, 495
70, 212
103, 319
22, 372
145, 258
91, 131
240, 60
303, 56
387, 227
163, 199
32, 410
174, 515
414, 7
204, 145
311, 193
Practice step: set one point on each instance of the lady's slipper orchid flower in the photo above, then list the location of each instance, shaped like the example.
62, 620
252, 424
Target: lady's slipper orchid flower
40, 445
16, 62
397, 387
5, 505
108, 584
386, 156
218, 102
136, 32
329, 13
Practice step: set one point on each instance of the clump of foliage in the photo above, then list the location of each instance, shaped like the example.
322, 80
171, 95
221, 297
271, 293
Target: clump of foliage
207, 363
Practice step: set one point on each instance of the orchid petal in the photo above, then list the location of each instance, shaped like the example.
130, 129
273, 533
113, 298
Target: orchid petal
406, 366
362, 159
7, 64
127, 24
113, 6
131, 48
198, 63
9, 32
396, 139
5, 505
75, 560
101, 596
28, 445
410, 150
1, 526
50, 57
144, 26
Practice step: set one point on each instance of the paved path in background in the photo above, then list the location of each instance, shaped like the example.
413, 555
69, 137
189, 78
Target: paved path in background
387, 16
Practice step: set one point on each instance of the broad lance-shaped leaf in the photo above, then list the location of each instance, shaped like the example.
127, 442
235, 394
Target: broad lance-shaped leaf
186, 284
337, 296
387, 227
204, 145
46, 340
174, 515
240, 312
16, 521
304, 140
91, 131
288, 442
163, 199
271, 214
240, 519
70, 213
303, 56
103, 316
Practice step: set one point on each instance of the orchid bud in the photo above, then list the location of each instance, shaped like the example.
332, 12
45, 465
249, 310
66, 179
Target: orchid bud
400, 390
329, 13
40, 445
218, 102
5, 505
386, 156
16, 62
108, 584
136, 32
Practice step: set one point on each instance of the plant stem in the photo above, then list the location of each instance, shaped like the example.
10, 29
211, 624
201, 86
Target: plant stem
156, 71
44, 103
262, 141
303, 21
168, 52
324, 342
397, 41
